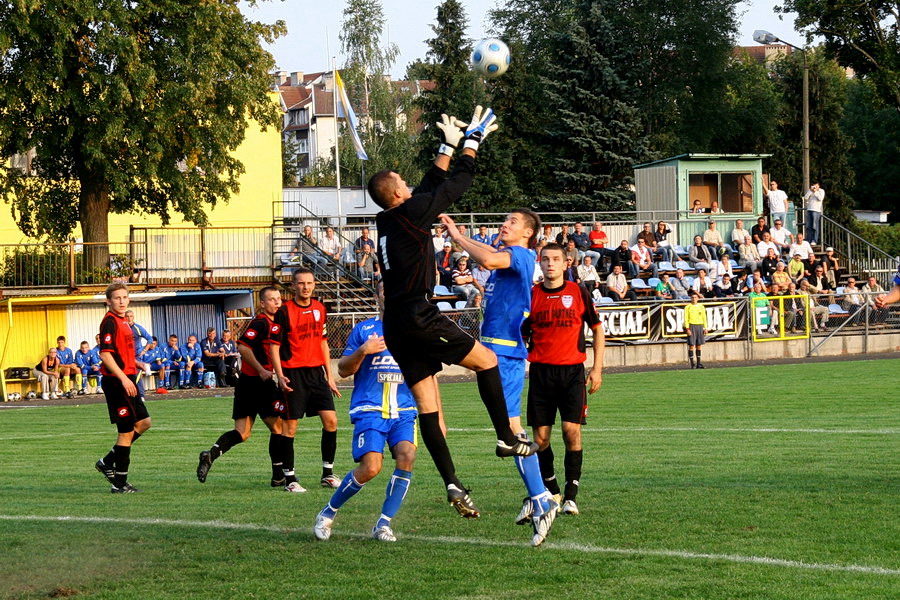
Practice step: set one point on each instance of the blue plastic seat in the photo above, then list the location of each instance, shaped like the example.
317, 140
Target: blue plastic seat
441, 290
442, 306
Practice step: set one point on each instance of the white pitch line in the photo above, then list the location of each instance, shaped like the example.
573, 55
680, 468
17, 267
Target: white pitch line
716, 430
570, 547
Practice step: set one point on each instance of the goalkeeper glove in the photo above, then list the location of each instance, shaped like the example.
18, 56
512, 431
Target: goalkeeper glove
451, 131
481, 125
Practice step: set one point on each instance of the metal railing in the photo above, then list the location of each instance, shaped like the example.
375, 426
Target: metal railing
69, 264
859, 254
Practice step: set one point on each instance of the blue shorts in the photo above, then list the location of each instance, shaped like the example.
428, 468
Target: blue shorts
512, 376
371, 432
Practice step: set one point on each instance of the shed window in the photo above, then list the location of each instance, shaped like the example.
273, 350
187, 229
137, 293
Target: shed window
733, 191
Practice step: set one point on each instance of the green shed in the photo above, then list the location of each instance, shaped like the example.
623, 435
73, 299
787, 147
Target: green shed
734, 181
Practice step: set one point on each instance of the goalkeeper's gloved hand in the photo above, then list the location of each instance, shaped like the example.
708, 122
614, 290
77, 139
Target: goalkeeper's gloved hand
451, 131
481, 125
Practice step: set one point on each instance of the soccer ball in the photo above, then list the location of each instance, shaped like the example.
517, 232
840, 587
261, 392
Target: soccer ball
31, 395
490, 57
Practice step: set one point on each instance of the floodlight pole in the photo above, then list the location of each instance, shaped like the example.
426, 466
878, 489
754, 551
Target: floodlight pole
764, 37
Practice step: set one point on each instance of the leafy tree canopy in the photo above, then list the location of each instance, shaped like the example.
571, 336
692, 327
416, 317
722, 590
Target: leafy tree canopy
128, 107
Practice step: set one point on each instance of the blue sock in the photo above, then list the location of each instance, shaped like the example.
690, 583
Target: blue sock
530, 470
348, 488
394, 494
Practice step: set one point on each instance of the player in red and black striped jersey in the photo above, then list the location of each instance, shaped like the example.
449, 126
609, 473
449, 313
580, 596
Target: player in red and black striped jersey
256, 392
310, 388
126, 408
559, 311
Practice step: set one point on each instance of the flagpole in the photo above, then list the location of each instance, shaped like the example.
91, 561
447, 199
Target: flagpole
337, 169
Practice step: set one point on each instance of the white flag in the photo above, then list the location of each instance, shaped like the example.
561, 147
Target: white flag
344, 110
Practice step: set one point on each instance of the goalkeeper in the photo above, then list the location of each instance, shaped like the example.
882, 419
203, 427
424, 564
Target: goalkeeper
418, 336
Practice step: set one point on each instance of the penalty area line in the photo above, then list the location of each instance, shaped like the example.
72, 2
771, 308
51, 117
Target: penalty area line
562, 546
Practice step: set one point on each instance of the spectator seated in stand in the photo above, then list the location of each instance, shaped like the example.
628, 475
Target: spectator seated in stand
587, 274
724, 288
795, 268
88, 364
663, 246
622, 258
713, 240
463, 282
759, 306
232, 357
818, 312
781, 237
191, 364
664, 290
47, 374
680, 286
366, 257
769, 264
617, 286
642, 258
445, 264
213, 357
699, 255
780, 277
703, 284
738, 234
153, 358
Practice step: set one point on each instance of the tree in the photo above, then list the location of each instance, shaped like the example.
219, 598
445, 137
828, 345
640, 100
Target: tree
387, 127
861, 35
679, 53
128, 107
829, 145
745, 123
596, 130
875, 133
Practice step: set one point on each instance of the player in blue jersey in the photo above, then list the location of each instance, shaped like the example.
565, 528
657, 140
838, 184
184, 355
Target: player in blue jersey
88, 365
506, 304
67, 367
382, 410
892, 296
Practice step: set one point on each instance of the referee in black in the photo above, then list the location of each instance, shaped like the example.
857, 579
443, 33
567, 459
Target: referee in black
418, 336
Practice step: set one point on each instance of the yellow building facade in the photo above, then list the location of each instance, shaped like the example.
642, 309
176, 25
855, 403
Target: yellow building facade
260, 187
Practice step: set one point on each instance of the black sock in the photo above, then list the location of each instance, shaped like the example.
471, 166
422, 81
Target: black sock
110, 459
491, 390
545, 458
135, 437
287, 458
573, 462
691, 356
698, 356
275, 455
437, 446
329, 449
225, 442
123, 461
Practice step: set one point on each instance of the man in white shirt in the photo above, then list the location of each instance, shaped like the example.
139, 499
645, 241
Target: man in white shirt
330, 245
777, 202
587, 274
782, 237
738, 234
801, 247
814, 200
644, 258
765, 244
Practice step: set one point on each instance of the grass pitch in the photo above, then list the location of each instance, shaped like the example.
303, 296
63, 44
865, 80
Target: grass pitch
759, 482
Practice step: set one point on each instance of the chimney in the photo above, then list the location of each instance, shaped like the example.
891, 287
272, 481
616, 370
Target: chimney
280, 77
296, 78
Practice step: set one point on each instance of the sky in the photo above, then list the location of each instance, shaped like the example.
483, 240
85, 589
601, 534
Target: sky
314, 25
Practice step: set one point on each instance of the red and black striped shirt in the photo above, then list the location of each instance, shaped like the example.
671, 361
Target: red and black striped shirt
116, 337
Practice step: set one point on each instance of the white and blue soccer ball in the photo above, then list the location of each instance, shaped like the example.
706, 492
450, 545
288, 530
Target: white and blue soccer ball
490, 57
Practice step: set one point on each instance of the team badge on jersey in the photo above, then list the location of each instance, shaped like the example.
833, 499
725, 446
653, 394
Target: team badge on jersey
123, 412
108, 338
317, 315
275, 328
567, 300
250, 334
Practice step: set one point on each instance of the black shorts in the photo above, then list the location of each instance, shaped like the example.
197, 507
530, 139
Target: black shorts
420, 338
253, 396
124, 411
553, 388
310, 394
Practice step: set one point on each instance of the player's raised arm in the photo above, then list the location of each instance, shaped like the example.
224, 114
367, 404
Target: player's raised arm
483, 254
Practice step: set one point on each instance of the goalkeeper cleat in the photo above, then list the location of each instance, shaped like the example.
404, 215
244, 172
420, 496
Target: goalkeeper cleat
460, 500
105, 471
204, 465
322, 528
526, 512
330, 481
521, 447
542, 524
383, 534
294, 487
570, 508
125, 489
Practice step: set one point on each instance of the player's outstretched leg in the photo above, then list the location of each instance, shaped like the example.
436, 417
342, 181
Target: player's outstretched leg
490, 388
225, 442
348, 488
